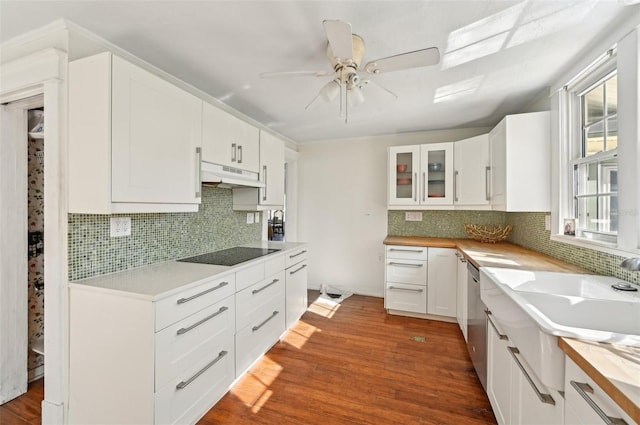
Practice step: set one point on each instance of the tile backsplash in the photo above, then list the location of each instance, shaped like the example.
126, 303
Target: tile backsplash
157, 237
528, 231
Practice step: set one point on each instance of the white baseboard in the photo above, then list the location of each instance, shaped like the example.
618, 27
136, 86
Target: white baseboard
36, 373
423, 316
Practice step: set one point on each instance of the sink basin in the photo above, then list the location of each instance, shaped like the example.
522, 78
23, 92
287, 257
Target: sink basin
534, 308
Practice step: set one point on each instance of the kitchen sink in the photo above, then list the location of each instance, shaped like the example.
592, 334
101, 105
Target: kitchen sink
534, 308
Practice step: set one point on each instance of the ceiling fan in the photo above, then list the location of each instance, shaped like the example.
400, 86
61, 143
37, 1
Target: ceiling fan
345, 51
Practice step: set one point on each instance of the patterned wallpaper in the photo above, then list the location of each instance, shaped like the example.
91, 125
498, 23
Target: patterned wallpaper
35, 199
157, 237
528, 231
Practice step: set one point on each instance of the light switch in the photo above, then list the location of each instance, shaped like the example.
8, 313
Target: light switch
250, 218
120, 226
413, 216
547, 222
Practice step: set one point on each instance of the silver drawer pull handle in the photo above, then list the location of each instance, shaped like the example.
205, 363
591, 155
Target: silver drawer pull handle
198, 323
405, 289
405, 250
545, 398
583, 388
392, 263
298, 254
264, 322
255, 291
193, 297
500, 336
297, 270
184, 384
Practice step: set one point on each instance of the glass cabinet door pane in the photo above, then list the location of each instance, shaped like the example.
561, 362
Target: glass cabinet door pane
436, 161
404, 175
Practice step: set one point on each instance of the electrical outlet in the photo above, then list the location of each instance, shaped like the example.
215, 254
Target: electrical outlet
413, 216
250, 218
547, 222
257, 217
120, 226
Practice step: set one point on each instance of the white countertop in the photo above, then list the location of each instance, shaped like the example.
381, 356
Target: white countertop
160, 280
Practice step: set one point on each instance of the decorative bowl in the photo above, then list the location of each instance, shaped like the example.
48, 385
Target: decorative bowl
488, 233
435, 166
403, 181
402, 168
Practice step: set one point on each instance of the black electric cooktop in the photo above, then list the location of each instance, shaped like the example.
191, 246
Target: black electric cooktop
230, 257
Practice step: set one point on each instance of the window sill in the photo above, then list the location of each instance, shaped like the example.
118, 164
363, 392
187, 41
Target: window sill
609, 248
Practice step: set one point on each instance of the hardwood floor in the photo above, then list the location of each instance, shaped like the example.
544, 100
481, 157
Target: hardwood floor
351, 365
26, 409
358, 365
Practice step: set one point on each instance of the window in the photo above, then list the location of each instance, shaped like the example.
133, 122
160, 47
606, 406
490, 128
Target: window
595, 166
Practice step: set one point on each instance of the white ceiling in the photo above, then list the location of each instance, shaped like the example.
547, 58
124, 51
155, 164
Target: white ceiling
496, 55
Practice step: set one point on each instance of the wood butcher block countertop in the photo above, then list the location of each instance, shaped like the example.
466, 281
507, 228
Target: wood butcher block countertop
616, 369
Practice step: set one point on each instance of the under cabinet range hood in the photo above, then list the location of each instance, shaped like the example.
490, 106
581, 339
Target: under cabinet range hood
228, 177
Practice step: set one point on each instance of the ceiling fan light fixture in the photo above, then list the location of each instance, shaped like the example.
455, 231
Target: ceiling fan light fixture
330, 91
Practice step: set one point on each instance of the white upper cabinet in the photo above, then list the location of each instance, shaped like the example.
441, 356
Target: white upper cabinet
420, 176
472, 176
227, 140
271, 196
134, 140
520, 163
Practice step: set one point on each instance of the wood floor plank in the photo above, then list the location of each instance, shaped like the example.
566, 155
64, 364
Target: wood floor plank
359, 366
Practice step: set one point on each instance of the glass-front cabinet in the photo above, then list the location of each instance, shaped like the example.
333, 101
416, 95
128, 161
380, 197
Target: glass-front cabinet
421, 175
437, 174
404, 170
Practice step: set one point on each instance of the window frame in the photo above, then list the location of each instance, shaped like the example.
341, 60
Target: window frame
566, 105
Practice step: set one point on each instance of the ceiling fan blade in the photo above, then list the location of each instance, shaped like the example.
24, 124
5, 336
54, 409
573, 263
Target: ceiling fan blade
285, 74
340, 38
424, 57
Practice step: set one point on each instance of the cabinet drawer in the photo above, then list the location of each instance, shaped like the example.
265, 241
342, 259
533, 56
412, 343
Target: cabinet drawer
250, 275
577, 411
183, 304
192, 340
296, 256
407, 252
187, 397
254, 298
399, 296
407, 271
274, 265
264, 329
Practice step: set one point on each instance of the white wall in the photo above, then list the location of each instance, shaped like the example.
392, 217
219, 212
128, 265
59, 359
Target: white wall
342, 206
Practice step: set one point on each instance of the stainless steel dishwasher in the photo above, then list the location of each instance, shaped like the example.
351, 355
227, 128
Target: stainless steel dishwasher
476, 324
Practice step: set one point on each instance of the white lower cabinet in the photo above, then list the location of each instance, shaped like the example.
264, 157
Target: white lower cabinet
406, 279
516, 395
578, 411
144, 359
296, 282
442, 282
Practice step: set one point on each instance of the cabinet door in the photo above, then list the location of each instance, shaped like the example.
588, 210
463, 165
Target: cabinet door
498, 142
271, 170
436, 179
499, 369
227, 140
155, 140
404, 171
461, 304
442, 282
296, 293
472, 171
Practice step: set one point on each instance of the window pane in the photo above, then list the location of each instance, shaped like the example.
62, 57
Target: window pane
609, 176
612, 95
612, 133
594, 104
598, 214
594, 138
587, 179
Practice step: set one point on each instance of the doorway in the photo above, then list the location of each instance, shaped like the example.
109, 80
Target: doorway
22, 331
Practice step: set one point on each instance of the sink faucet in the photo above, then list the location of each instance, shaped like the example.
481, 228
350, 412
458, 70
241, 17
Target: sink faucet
632, 264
